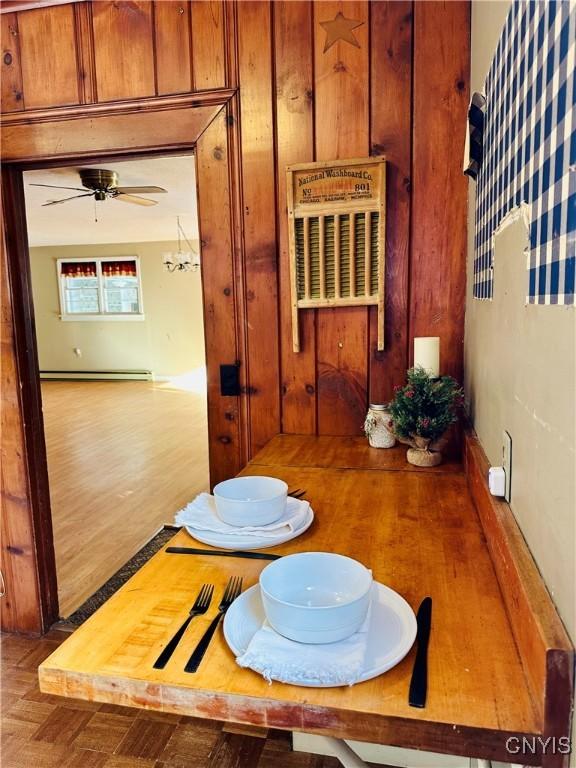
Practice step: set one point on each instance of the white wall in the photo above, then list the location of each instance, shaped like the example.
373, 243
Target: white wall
520, 377
169, 342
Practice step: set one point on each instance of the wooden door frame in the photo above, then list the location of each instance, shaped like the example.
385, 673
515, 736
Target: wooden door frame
206, 122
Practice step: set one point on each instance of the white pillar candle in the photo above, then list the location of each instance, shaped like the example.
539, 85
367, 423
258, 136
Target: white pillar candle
427, 354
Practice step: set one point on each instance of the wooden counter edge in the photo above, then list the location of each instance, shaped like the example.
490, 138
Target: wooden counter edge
544, 646
444, 738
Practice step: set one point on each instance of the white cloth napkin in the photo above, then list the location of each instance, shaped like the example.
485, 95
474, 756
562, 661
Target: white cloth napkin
201, 515
277, 658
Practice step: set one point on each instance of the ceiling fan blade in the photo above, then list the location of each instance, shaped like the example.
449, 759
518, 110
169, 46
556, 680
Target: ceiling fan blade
65, 199
55, 186
134, 199
137, 190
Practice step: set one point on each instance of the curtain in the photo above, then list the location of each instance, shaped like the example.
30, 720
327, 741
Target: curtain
119, 268
78, 269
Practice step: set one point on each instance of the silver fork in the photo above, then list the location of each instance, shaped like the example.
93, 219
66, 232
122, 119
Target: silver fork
233, 589
201, 605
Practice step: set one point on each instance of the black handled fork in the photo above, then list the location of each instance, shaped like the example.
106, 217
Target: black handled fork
201, 605
233, 589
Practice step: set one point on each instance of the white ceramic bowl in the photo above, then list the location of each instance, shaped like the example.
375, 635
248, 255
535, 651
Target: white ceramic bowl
316, 597
250, 500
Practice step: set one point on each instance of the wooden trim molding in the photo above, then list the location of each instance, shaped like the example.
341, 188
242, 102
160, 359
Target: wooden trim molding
92, 133
117, 128
216, 98
544, 646
9, 6
41, 547
59, 136
235, 174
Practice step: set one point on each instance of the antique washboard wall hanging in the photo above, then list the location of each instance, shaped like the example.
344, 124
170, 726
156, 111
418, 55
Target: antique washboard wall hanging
337, 221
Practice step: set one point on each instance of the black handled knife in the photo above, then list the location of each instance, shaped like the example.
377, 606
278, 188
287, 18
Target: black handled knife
419, 681
223, 553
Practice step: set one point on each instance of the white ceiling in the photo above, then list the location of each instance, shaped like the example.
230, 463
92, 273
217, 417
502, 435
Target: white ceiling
72, 223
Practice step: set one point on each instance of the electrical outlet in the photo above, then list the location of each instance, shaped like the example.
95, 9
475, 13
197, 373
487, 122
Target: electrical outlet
507, 462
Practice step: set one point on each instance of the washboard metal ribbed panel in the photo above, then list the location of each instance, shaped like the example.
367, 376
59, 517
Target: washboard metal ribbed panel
337, 221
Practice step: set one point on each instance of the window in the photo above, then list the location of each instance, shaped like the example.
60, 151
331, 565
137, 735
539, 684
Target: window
105, 288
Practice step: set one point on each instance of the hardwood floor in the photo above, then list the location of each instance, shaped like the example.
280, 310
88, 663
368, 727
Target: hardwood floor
51, 732
123, 457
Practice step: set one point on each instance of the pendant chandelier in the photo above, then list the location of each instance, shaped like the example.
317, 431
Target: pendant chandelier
181, 261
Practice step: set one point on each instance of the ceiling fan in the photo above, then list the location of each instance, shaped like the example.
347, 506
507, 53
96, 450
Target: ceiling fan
103, 185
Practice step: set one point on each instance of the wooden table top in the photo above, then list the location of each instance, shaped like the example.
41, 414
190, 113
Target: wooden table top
340, 453
419, 533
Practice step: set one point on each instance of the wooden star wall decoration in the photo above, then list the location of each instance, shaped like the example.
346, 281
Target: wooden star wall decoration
340, 28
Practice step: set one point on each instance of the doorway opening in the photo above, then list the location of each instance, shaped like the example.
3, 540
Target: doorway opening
117, 295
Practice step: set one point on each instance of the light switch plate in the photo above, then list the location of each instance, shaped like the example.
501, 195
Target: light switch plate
507, 462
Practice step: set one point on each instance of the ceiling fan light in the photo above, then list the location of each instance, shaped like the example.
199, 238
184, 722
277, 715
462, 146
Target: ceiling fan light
103, 184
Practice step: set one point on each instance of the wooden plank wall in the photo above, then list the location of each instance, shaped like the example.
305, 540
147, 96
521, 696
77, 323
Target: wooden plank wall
401, 89
438, 246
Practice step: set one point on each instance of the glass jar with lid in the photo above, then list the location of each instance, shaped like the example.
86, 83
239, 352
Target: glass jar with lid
378, 427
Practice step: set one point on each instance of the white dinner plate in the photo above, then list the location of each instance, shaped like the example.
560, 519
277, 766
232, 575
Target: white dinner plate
391, 635
252, 541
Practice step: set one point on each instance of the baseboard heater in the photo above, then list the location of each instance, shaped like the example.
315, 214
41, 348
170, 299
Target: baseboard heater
97, 375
